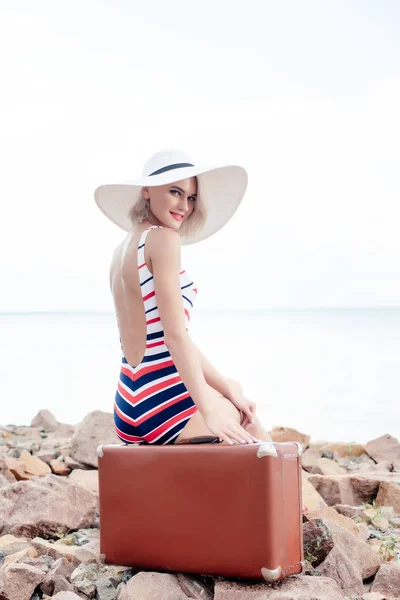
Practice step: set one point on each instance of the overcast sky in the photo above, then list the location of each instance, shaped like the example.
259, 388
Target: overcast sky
305, 95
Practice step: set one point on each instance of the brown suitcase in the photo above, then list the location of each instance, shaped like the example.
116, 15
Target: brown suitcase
205, 508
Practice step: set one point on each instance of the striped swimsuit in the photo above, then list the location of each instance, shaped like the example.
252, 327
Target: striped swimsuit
152, 403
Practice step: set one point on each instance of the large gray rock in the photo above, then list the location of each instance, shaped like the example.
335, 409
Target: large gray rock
45, 507
96, 428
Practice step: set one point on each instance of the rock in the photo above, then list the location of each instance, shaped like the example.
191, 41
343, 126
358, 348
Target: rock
91, 578
196, 587
9, 544
365, 557
46, 455
332, 516
387, 581
339, 566
27, 466
18, 581
89, 480
45, 506
76, 555
387, 448
296, 587
56, 580
96, 428
373, 596
310, 458
59, 468
389, 495
318, 541
344, 450
74, 464
325, 466
68, 596
17, 557
148, 585
352, 489
311, 498
285, 434
46, 420
5, 471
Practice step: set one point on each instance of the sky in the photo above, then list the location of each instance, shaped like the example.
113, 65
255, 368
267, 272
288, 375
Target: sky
304, 95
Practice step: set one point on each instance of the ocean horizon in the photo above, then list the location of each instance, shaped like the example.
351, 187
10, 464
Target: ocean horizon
331, 372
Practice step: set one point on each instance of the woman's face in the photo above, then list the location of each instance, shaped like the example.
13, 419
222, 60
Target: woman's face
173, 203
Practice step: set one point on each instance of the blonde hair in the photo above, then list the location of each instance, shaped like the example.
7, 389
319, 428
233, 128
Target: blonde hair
141, 211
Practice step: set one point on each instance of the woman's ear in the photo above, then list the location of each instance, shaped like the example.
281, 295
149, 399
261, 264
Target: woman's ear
145, 193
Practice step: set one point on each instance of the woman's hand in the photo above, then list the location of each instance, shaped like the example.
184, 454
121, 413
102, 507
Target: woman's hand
248, 407
227, 429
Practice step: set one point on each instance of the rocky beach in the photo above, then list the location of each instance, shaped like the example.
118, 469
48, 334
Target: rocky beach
49, 522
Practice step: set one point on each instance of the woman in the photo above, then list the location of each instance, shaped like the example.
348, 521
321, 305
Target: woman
167, 389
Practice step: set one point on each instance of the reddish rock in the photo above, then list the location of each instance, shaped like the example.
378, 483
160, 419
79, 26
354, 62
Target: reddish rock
310, 458
296, 587
18, 581
45, 506
59, 467
373, 596
387, 448
365, 557
96, 428
339, 566
27, 466
352, 489
387, 581
16, 557
389, 495
285, 434
318, 541
326, 466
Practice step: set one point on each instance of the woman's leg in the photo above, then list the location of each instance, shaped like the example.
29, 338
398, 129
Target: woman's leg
196, 426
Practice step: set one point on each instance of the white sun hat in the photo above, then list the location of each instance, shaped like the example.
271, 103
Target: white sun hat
221, 186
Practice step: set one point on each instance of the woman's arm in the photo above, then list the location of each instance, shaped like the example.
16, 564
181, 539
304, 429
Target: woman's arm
165, 254
213, 377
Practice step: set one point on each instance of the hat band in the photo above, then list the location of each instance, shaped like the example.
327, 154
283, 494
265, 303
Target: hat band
170, 167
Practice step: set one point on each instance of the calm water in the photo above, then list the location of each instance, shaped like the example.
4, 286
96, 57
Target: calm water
334, 374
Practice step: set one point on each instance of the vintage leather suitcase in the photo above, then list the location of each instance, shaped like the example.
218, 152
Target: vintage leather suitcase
208, 508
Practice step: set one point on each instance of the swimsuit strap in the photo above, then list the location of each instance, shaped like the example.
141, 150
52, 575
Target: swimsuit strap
141, 263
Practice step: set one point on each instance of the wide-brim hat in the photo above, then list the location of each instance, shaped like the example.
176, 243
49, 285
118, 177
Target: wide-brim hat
221, 186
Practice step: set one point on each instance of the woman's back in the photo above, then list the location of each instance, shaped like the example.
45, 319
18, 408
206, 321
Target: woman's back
127, 294
151, 402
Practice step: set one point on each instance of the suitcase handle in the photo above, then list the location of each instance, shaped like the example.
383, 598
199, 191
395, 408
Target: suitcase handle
201, 439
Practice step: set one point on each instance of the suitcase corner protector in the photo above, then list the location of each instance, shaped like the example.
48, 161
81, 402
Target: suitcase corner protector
267, 449
271, 575
300, 447
99, 451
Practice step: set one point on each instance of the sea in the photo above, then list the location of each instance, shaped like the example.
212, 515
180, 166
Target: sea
333, 373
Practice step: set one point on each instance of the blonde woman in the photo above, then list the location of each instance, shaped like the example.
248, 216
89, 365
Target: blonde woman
167, 389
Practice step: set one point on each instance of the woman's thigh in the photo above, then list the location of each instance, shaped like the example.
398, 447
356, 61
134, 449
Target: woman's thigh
196, 426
